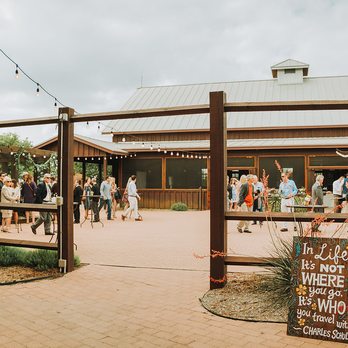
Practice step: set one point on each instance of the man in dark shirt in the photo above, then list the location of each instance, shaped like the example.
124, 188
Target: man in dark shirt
78, 193
95, 200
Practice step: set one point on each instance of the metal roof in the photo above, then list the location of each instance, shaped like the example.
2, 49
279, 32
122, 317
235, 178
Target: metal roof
242, 144
313, 88
289, 63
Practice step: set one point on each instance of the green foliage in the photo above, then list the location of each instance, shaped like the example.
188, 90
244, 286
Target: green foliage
41, 260
12, 139
278, 283
179, 206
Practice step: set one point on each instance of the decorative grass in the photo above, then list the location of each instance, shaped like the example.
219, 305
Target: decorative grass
41, 260
278, 283
179, 206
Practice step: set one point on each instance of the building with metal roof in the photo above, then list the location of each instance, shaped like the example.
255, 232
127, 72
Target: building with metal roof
172, 161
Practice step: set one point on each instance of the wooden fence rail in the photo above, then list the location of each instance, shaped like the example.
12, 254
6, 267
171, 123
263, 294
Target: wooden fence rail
51, 208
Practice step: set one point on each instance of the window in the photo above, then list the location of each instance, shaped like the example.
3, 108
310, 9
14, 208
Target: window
289, 71
328, 161
148, 172
294, 164
239, 162
186, 173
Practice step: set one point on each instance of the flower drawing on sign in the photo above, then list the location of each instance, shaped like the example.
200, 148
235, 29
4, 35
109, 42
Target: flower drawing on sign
301, 290
314, 306
301, 322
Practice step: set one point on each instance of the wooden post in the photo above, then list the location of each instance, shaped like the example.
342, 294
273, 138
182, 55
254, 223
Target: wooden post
218, 224
105, 167
66, 171
83, 172
164, 173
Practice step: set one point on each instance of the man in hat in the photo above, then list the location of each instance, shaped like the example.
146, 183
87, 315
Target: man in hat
43, 195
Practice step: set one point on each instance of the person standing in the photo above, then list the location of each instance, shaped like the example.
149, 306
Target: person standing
95, 200
7, 197
133, 200
2, 177
318, 194
105, 192
345, 187
16, 192
43, 196
78, 193
337, 187
87, 196
287, 191
246, 201
28, 193
258, 194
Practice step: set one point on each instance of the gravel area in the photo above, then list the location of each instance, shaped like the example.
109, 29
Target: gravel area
242, 298
17, 273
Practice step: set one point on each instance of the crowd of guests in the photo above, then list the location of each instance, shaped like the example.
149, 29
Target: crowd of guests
91, 195
94, 198
248, 194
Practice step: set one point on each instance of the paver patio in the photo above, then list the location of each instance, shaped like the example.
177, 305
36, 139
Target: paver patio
154, 303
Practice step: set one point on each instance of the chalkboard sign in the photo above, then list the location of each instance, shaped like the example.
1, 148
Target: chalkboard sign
319, 289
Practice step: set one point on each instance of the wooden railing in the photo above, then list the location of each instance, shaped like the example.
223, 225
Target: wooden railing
163, 199
51, 208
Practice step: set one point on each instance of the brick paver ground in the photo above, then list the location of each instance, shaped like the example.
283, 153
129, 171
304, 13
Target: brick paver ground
154, 303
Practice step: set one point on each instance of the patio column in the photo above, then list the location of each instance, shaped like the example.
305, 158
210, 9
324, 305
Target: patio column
66, 171
218, 224
105, 167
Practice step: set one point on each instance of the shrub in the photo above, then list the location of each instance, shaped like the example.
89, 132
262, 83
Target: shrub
278, 283
41, 260
179, 206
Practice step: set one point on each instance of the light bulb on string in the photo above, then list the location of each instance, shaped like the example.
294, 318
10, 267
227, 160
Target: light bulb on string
159, 149
37, 89
98, 125
87, 124
78, 158
191, 156
177, 154
171, 153
111, 157
165, 151
143, 145
196, 156
182, 155
151, 147
187, 156
55, 102
135, 155
123, 139
17, 72
200, 157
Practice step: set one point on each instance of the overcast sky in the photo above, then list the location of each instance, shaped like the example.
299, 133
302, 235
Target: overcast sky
93, 55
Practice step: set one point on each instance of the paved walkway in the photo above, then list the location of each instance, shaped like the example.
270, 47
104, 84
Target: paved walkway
155, 303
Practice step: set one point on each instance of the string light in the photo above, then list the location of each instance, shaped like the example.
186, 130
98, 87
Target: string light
151, 147
38, 85
182, 155
123, 139
143, 145
171, 153
159, 149
165, 151
98, 125
55, 102
78, 158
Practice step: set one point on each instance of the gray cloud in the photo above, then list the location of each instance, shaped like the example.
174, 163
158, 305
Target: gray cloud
92, 54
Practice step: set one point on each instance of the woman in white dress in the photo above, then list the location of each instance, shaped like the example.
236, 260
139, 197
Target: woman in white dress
7, 197
17, 196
